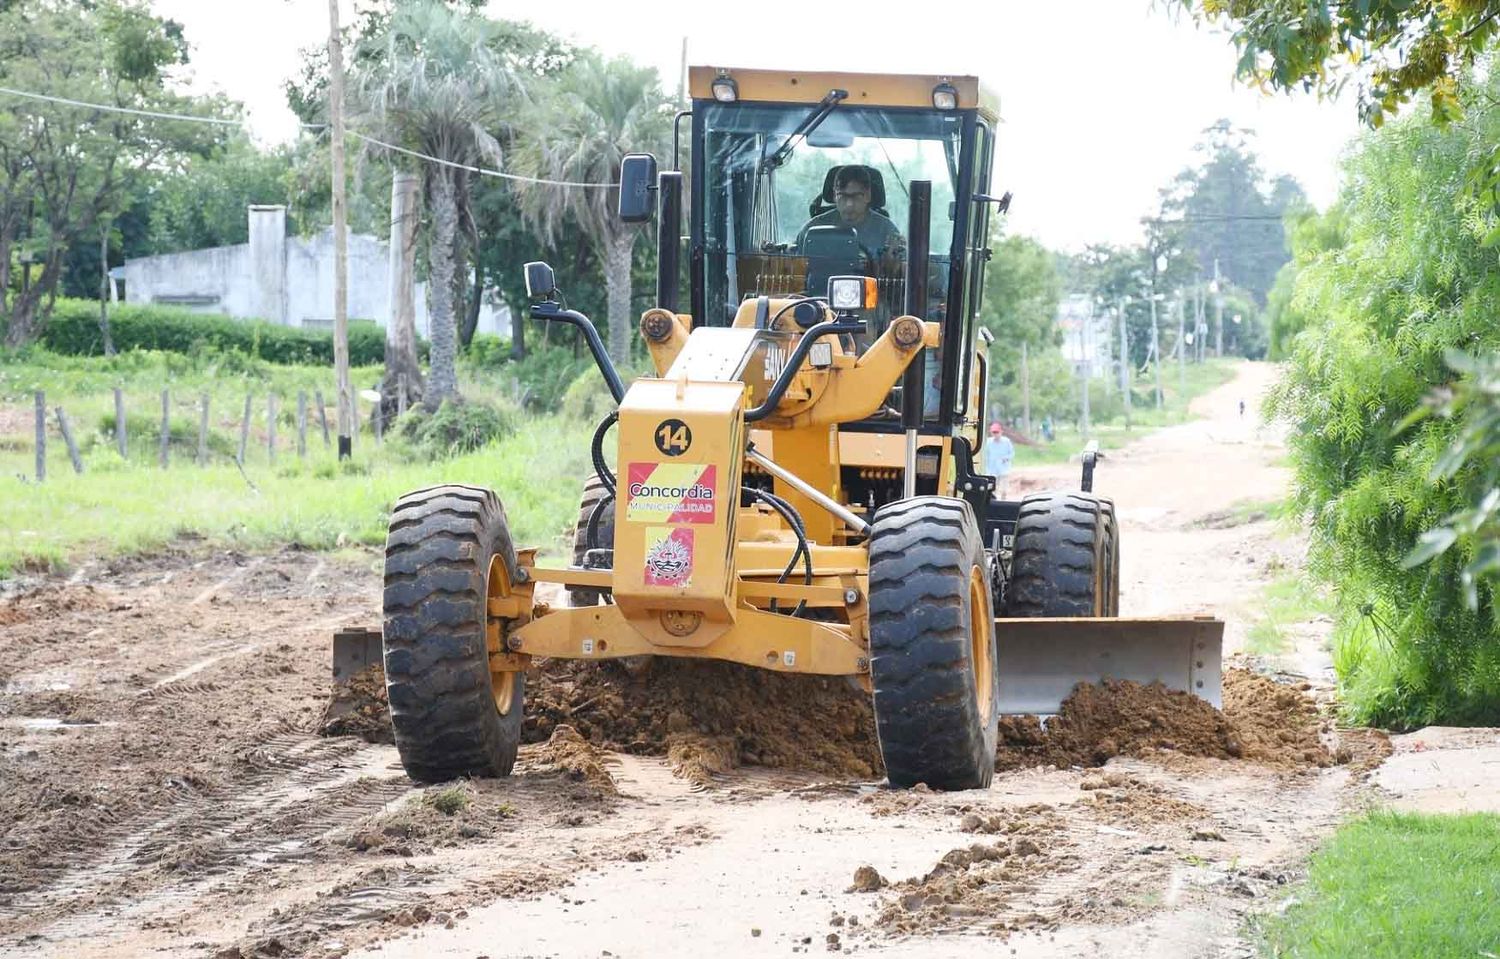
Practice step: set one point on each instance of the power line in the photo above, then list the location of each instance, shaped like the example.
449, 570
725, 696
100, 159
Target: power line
113, 109
217, 121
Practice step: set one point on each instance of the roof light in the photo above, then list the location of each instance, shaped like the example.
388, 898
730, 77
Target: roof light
945, 96
725, 89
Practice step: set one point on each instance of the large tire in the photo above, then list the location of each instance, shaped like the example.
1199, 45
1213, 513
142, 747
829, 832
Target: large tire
932, 645
447, 548
594, 493
1066, 557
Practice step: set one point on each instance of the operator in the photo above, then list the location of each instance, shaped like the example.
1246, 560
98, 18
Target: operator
876, 234
999, 454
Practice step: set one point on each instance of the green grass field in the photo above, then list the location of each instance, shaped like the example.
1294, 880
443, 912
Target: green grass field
123, 505
1397, 886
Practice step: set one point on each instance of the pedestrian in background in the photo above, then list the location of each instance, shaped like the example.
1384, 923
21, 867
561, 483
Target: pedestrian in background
999, 454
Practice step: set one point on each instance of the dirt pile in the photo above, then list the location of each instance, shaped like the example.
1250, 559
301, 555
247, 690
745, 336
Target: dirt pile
1122, 800
708, 716
577, 760
1262, 721
981, 887
359, 708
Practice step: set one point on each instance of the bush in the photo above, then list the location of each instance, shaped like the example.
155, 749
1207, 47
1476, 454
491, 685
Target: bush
456, 428
73, 329
1409, 281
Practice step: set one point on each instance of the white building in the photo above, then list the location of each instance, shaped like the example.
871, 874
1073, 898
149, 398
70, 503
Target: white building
281, 279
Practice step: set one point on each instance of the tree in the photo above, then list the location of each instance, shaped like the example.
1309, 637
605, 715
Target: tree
434, 85
1393, 49
1227, 212
580, 130
68, 169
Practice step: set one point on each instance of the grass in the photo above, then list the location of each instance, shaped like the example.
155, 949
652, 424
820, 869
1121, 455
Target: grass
1286, 601
1110, 429
1395, 885
126, 505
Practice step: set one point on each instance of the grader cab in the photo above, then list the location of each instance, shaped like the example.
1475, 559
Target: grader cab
796, 487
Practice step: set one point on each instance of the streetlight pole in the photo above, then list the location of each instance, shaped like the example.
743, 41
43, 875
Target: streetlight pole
1084, 338
1124, 363
340, 235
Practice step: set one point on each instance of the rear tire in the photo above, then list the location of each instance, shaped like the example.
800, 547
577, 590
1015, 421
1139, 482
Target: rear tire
932, 645
594, 493
450, 715
1066, 558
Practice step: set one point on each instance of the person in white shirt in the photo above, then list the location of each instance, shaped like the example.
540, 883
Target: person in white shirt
999, 454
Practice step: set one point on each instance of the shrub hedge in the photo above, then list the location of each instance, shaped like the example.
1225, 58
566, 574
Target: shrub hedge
73, 329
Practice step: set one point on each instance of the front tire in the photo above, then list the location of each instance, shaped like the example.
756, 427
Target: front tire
1066, 557
448, 549
932, 645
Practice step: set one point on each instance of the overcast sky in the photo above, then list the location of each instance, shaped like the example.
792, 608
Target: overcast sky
1101, 101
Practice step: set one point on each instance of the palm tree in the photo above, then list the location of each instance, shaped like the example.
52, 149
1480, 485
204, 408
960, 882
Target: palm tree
431, 82
598, 111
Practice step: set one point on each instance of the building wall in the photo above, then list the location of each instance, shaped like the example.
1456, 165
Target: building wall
284, 280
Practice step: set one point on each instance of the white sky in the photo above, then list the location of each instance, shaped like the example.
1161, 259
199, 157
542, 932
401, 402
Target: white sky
1101, 100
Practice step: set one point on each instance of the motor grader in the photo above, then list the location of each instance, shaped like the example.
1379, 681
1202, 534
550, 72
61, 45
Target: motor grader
795, 486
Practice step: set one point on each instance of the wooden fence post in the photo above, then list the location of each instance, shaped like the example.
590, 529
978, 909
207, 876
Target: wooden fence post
271, 427
244, 431
67, 435
41, 436
120, 442
203, 430
322, 417
166, 426
378, 422
302, 424
400, 395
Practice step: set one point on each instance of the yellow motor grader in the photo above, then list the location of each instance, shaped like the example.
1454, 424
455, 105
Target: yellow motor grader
796, 487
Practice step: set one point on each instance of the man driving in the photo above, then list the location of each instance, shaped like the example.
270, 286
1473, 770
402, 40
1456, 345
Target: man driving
852, 194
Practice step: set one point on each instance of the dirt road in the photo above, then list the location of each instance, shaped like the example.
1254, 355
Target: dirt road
166, 790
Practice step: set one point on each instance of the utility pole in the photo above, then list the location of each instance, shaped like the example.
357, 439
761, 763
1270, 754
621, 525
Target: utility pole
340, 235
682, 103
1156, 350
1218, 289
1124, 363
1025, 393
1084, 339
1181, 348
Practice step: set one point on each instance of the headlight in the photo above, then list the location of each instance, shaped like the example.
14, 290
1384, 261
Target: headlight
851, 292
945, 96
725, 89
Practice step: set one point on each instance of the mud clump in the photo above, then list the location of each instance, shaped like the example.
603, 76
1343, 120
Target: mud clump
708, 717
867, 879
576, 759
359, 708
1262, 721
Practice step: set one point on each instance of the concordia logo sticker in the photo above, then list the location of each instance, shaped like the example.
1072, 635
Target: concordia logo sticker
671, 493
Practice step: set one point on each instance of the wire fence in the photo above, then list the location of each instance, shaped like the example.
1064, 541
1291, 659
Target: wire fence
258, 425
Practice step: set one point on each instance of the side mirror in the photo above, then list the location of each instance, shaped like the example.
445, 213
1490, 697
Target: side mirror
637, 184
541, 283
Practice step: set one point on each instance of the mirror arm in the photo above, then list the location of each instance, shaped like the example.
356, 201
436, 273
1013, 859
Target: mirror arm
552, 312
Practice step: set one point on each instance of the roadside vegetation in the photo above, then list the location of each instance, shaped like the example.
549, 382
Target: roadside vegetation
1393, 885
520, 440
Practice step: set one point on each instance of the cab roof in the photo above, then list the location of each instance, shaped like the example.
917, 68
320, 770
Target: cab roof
865, 89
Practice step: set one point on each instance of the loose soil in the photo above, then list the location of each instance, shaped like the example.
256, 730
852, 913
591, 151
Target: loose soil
1262, 721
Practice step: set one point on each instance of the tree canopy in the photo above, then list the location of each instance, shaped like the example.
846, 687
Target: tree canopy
1392, 50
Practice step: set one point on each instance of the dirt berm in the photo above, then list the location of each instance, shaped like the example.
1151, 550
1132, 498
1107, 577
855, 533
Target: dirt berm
709, 717
1262, 721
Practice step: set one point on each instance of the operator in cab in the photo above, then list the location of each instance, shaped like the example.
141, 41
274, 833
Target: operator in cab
853, 190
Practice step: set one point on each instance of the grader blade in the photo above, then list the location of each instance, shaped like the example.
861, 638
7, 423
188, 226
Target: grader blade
1042, 659
354, 650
